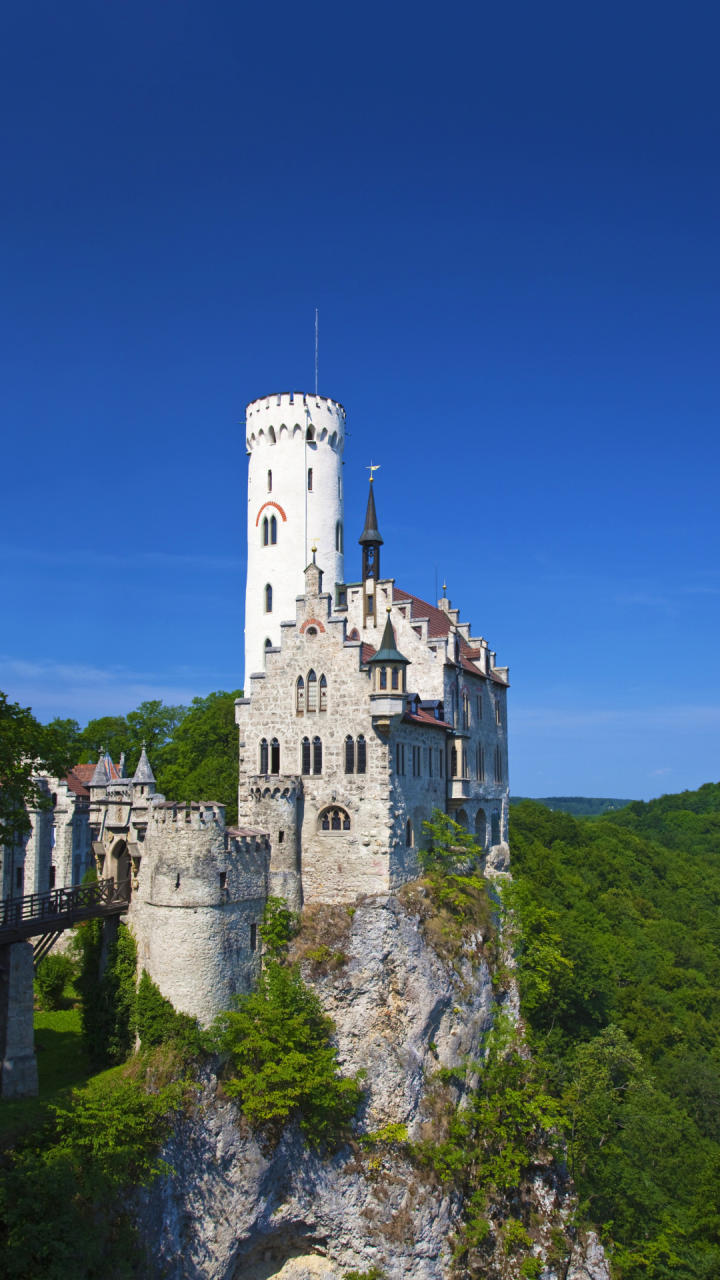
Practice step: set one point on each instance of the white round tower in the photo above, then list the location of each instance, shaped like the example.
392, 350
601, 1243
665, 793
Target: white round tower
295, 501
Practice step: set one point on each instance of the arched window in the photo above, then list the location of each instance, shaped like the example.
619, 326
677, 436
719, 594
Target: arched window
269, 481
383, 677
300, 695
494, 828
349, 755
310, 433
305, 756
309, 479
317, 755
311, 691
265, 527
273, 531
339, 536
361, 754
263, 755
268, 598
274, 756
408, 833
323, 694
334, 819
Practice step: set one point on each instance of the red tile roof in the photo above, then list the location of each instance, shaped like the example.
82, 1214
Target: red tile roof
77, 783
367, 652
425, 718
439, 625
83, 772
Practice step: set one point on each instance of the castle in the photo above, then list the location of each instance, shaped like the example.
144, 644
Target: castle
365, 708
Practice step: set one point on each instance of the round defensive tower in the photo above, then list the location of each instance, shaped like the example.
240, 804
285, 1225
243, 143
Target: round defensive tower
295, 445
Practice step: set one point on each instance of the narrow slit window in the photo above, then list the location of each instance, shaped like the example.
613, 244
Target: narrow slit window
268, 598
323, 694
349, 755
317, 755
273, 531
310, 479
300, 696
265, 528
361, 754
305, 757
263, 756
269, 481
274, 756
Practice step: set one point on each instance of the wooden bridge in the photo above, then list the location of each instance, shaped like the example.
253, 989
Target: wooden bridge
45, 916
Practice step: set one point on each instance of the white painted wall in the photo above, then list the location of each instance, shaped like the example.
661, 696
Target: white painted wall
277, 431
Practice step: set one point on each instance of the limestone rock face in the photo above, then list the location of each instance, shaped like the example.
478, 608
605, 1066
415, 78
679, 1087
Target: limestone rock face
234, 1210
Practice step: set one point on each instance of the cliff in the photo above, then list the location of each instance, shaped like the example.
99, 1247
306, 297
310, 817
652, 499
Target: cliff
403, 1006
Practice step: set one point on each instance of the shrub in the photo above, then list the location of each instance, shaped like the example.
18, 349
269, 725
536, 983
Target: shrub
157, 1022
282, 1064
107, 1001
52, 976
279, 926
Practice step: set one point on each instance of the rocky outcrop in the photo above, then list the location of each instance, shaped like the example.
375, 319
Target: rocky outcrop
232, 1209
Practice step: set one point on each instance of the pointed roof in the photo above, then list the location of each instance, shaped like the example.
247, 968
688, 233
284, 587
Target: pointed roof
371, 533
143, 773
388, 651
105, 771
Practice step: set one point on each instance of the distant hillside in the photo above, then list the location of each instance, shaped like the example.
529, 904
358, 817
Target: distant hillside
618, 956
579, 806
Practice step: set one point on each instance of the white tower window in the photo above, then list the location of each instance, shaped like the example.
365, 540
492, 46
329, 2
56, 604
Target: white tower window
310, 480
269, 481
268, 598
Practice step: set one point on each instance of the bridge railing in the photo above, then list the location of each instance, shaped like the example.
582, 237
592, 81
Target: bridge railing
61, 902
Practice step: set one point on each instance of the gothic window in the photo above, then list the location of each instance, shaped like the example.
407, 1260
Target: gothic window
317, 755
265, 527
268, 598
361, 754
408, 833
274, 756
305, 756
466, 709
269, 481
334, 819
312, 691
263, 755
300, 695
273, 531
338, 536
323, 694
394, 678
383, 677
268, 643
349, 755
309, 479
481, 764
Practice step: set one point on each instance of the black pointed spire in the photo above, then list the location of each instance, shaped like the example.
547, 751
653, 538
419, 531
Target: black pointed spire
370, 535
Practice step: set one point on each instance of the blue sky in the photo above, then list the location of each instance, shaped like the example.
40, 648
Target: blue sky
508, 219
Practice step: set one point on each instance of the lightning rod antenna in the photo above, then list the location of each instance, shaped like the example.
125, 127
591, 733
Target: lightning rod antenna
317, 336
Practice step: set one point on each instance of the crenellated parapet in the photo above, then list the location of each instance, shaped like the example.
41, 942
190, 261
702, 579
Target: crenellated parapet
288, 415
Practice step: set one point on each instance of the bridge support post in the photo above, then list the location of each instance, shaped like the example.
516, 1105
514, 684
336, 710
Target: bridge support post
18, 1075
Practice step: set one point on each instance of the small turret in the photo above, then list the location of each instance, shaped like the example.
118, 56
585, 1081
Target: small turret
371, 542
143, 777
388, 668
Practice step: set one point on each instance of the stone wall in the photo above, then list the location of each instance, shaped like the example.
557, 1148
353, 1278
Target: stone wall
197, 901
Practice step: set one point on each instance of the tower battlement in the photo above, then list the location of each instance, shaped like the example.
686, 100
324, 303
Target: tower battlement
196, 815
295, 415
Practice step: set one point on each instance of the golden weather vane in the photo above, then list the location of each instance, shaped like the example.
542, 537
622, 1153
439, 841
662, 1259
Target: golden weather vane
374, 466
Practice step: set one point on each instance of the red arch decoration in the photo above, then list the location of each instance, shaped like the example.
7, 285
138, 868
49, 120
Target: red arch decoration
312, 622
277, 507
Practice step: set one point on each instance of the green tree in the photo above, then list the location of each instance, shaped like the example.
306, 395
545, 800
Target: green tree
282, 1063
26, 748
107, 733
201, 761
447, 844
154, 724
